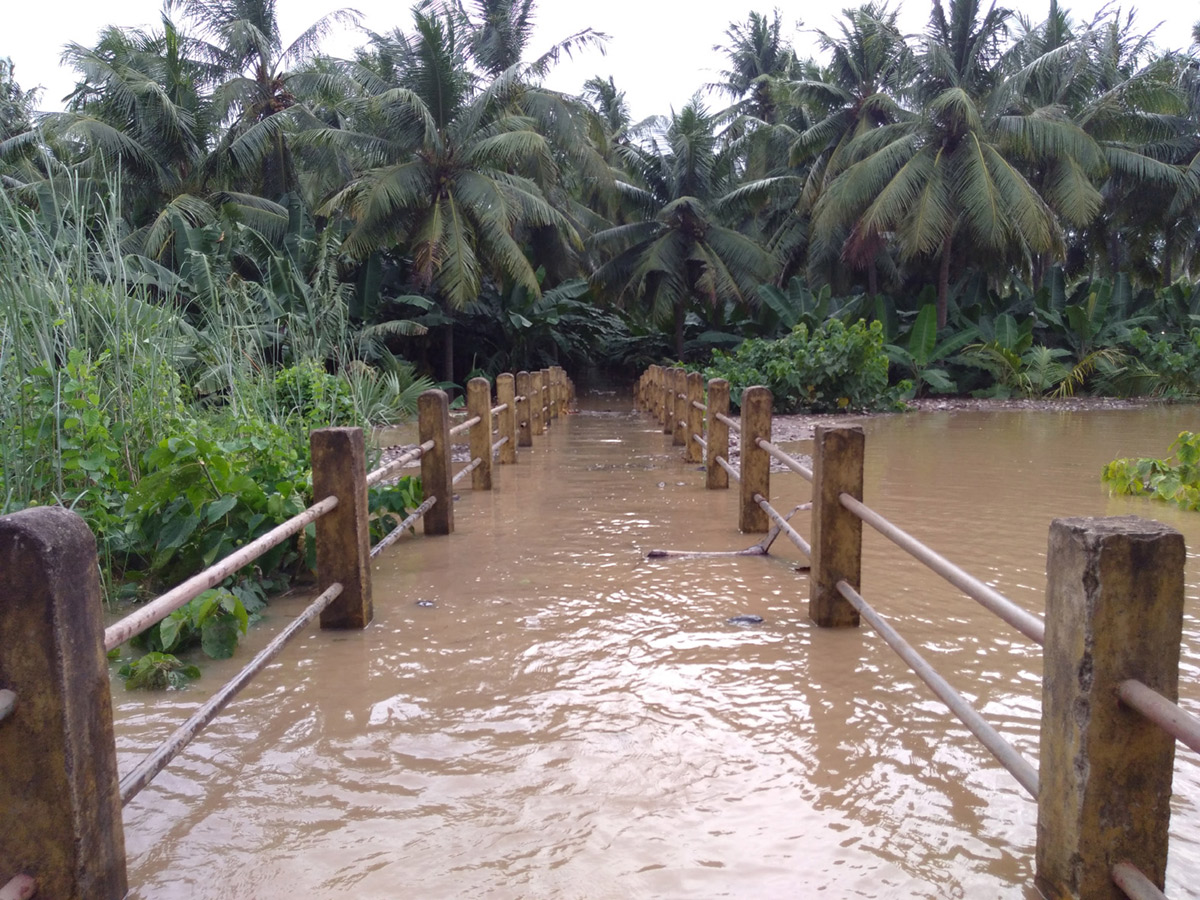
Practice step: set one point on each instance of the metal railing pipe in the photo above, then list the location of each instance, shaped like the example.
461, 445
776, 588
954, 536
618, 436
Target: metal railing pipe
463, 427
701, 441
155, 762
500, 443
8, 702
161, 607
395, 534
1005, 753
991, 599
732, 423
386, 471
700, 406
791, 462
1133, 882
1170, 717
783, 524
729, 469
466, 470
496, 410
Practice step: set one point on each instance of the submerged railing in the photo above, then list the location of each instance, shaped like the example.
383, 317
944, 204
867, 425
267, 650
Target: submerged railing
1111, 638
60, 793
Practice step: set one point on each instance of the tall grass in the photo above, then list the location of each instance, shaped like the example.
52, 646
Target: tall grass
101, 361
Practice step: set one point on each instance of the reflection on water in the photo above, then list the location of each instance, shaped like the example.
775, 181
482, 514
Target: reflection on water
570, 719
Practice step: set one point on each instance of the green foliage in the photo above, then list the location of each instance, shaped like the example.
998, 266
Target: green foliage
835, 367
1175, 481
212, 491
388, 505
157, 671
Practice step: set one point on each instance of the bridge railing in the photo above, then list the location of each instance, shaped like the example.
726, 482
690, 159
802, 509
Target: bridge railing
1111, 639
60, 791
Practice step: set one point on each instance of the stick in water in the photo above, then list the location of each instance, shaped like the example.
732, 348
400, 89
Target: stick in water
759, 549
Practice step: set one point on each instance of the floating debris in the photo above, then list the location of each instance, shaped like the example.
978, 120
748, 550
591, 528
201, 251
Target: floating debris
745, 620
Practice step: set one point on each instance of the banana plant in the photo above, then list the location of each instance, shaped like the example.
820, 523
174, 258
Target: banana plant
923, 350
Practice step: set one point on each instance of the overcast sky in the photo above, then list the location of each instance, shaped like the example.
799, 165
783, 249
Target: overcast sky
659, 52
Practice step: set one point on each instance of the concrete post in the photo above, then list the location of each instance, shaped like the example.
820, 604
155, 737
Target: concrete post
1114, 611
668, 400
506, 393
547, 397
695, 417
537, 402
679, 407
339, 459
524, 382
479, 403
60, 807
433, 423
756, 464
836, 532
716, 478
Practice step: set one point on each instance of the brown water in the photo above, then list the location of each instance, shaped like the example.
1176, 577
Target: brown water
570, 719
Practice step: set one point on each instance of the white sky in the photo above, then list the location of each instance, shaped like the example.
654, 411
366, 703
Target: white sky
659, 52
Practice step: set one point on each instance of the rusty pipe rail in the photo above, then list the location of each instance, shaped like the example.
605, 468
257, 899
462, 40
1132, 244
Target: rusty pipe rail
395, 534
1170, 717
1005, 753
466, 426
145, 771
161, 607
783, 524
790, 461
1136, 886
991, 599
385, 472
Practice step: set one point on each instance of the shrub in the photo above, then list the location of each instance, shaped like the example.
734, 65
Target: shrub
836, 367
1176, 482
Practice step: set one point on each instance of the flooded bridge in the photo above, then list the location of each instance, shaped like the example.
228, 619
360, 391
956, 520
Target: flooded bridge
539, 710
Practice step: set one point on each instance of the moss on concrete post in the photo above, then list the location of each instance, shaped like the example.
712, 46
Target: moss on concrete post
433, 423
479, 403
695, 417
716, 478
756, 464
836, 532
343, 542
524, 382
1114, 611
60, 808
537, 402
506, 393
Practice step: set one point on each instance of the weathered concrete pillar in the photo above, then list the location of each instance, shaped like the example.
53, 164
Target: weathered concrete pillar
524, 383
479, 403
60, 808
343, 540
537, 402
836, 532
756, 464
679, 407
668, 401
1114, 610
506, 394
695, 417
716, 478
433, 423
547, 397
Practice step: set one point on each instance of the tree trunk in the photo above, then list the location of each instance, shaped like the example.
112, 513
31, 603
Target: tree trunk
448, 356
943, 293
679, 317
873, 280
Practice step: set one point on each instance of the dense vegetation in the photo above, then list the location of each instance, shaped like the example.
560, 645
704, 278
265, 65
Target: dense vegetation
224, 241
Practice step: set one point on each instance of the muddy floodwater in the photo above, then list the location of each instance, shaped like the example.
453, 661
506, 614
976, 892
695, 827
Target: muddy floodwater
540, 711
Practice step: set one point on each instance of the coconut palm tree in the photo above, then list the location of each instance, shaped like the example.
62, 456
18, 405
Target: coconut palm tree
759, 59
452, 174
947, 181
680, 253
